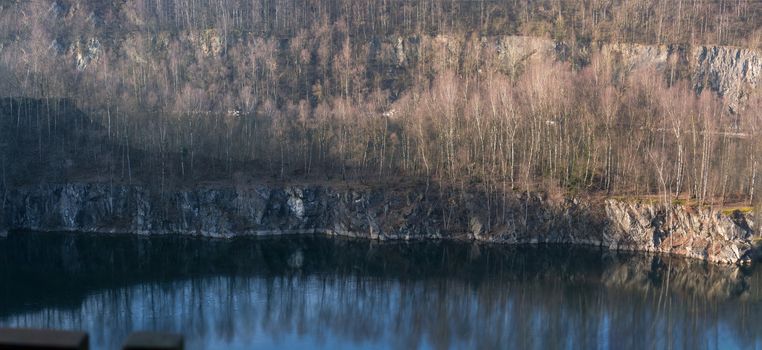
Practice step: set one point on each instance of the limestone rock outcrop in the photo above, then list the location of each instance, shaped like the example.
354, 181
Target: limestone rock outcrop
383, 214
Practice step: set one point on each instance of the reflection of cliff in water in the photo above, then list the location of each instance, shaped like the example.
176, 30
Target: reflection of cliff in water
404, 295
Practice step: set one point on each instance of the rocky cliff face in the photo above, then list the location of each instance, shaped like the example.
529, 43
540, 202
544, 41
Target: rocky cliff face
378, 214
697, 233
730, 72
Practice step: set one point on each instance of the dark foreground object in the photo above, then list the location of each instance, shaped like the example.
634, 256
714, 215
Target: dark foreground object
29, 339
42, 339
153, 341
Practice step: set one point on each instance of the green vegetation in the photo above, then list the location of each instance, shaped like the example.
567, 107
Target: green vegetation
732, 210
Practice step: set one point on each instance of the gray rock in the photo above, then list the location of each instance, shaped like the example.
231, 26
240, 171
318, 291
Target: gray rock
700, 233
731, 72
382, 214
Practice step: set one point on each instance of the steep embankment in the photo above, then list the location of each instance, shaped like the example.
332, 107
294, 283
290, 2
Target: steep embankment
380, 214
375, 214
730, 72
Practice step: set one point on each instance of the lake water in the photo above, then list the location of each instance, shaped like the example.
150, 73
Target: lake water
314, 292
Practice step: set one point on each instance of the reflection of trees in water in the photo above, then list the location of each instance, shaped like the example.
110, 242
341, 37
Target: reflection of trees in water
406, 314
403, 295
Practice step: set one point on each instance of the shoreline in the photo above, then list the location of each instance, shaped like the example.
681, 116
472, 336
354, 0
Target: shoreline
382, 215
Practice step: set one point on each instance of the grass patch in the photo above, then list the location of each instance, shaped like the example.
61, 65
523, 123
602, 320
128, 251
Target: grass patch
729, 211
687, 203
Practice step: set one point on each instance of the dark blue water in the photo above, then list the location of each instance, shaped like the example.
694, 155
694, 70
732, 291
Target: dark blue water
309, 292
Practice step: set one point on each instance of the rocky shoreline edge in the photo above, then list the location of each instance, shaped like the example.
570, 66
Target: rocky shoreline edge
384, 214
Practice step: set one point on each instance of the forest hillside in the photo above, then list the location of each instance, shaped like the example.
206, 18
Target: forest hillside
613, 97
